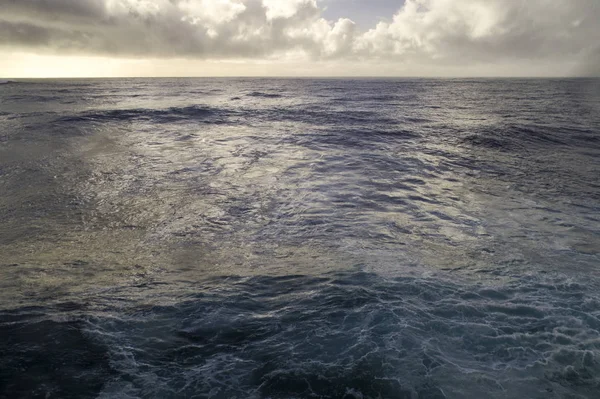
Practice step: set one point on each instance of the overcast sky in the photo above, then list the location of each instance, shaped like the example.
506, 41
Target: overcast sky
43, 38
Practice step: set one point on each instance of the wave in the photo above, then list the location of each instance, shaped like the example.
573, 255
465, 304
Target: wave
37, 98
485, 141
220, 115
340, 335
264, 95
324, 116
527, 137
477, 198
193, 113
386, 98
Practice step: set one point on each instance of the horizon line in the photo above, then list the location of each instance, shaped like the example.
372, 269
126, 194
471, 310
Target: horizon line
302, 77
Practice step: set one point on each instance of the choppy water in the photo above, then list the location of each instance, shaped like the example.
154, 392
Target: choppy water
257, 238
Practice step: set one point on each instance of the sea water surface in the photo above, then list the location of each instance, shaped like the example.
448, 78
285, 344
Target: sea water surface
300, 238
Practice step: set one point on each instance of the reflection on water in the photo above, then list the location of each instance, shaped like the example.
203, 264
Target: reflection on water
288, 238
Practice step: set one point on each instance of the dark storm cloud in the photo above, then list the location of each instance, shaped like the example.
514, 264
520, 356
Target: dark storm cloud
202, 29
55, 8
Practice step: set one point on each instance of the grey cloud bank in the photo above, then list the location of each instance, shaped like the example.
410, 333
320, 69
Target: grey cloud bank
558, 34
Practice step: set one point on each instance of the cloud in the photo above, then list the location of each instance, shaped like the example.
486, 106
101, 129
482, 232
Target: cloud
487, 29
286, 8
425, 32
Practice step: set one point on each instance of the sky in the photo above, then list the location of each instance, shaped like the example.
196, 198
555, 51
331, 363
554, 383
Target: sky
364, 13
103, 38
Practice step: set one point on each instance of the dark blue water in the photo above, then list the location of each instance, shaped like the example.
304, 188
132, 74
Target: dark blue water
259, 238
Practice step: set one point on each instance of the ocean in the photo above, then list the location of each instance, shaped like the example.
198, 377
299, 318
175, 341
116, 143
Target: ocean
300, 238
